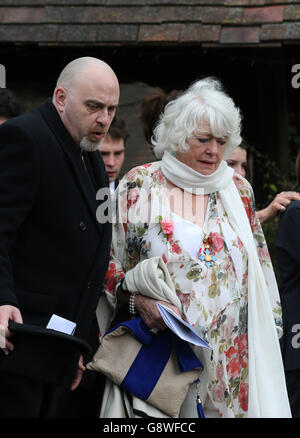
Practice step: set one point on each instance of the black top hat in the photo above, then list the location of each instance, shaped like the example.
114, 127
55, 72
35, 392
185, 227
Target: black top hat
44, 354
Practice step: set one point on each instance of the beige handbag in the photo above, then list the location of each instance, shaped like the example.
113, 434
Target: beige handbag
148, 365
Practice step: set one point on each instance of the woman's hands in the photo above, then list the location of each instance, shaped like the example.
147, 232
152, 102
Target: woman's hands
147, 308
149, 312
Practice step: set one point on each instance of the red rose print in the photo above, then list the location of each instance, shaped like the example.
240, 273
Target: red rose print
219, 371
110, 280
185, 299
158, 176
132, 197
217, 241
230, 352
249, 209
237, 355
233, 368
243, 396
176, 248
219, 392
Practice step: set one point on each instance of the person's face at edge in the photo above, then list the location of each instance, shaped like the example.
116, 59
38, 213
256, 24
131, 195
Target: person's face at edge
238, 161
205, 152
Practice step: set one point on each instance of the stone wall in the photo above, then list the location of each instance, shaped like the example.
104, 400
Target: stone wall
137, 149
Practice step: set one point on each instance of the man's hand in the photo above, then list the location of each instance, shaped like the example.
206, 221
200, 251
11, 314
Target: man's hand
7, 313
149, 312
279, 204
79, 374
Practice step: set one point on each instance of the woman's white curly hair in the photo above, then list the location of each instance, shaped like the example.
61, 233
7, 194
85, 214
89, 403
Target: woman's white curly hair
204, 101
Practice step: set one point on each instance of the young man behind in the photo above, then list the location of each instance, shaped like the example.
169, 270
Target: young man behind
113, 150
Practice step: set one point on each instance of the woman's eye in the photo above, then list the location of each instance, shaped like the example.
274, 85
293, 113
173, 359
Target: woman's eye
203, 140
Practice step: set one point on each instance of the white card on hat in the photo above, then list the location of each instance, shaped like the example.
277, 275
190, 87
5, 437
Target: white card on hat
61, 325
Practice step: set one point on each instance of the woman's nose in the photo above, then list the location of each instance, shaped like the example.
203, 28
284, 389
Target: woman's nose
212, 146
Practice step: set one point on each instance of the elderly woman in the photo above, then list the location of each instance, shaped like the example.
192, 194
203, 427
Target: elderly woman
191, 210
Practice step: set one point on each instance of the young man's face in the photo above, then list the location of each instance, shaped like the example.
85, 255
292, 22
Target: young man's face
113, 154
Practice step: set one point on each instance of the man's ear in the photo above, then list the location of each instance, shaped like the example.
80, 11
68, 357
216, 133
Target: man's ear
60, 98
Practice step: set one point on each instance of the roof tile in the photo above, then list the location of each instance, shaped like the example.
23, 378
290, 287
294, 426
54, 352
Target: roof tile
164, 32
195, 33
140, 21
240, 35
268, 14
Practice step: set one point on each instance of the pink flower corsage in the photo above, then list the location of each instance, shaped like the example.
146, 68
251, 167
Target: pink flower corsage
167, 227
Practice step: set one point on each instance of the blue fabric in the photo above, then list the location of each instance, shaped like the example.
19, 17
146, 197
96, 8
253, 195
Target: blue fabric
138, 329
148, 366
153, 356
187, 360
200, 410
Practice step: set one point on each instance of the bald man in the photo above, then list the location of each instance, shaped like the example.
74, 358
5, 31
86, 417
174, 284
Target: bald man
53, 251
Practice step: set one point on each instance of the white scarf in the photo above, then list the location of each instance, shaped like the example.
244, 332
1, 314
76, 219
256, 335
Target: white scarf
267, 388
188, 179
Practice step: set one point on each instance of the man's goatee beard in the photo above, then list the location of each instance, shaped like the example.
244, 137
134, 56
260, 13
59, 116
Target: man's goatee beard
88, 146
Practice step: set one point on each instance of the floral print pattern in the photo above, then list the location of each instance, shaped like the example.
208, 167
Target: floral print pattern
213, 299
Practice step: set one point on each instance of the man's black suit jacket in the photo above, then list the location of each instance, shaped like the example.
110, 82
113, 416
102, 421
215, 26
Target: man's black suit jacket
116, 183
287, 247
53, 252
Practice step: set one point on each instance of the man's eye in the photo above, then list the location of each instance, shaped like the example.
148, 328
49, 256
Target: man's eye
91, 107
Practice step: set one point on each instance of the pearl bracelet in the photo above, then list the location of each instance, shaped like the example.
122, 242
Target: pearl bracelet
132, 309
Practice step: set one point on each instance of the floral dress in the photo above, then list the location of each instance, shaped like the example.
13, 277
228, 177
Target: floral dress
212, 290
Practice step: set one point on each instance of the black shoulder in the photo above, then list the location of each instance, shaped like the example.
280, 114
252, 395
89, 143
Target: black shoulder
292, 209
